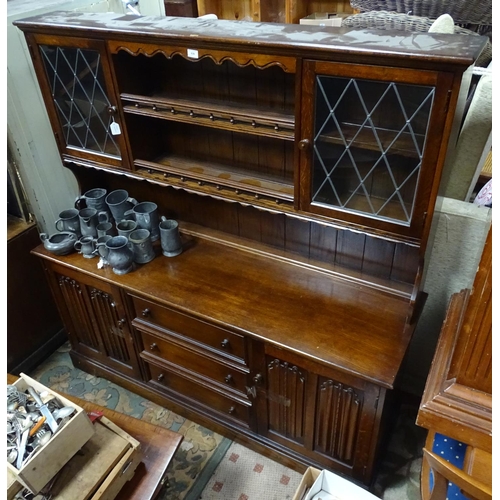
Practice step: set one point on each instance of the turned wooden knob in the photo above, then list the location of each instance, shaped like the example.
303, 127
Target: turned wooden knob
304, 144
146, 312
224, 344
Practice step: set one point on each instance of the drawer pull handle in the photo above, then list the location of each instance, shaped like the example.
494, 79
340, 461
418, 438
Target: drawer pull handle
224, 344
228, 378
153, 346
231, 410
258, 378
160, 377
146, 312
121, 322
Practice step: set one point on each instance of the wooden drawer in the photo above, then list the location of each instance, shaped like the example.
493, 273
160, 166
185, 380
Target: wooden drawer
226, 343
197, 393
206, 365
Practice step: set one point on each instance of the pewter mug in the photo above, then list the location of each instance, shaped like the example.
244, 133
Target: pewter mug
86, 246
171, 244
105, 228
119, 202
125, 227
142, 246
89, 219
69, 221
146, 216
118, 254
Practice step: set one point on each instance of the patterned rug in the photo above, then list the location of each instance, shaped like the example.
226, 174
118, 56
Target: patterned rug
199, 453
209, 466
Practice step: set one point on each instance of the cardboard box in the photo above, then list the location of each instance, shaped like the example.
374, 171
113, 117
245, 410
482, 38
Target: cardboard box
324, 19
51, 458
326, 485
310, 475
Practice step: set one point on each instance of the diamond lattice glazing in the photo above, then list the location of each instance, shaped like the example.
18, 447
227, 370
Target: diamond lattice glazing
368, 145
77, 87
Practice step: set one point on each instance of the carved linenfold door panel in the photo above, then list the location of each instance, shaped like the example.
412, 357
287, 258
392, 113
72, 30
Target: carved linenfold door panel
337, 420
286, 399
96, 324
330, 417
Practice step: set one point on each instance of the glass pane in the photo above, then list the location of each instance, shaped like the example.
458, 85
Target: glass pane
368, 145
77, 86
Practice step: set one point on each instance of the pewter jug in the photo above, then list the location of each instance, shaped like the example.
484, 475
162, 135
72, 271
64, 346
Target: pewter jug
117, 252
93, 198
89, 219
119, 202
146, 216
86, 246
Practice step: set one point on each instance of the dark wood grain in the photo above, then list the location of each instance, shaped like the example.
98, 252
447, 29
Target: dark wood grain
285, 319
28, 296
457, 399
367, 328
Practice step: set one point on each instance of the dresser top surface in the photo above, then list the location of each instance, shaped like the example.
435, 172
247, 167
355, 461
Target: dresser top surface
456, 49
335, 322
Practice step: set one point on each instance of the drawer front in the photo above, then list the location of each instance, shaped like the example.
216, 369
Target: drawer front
189, 389
227, 343
228, 377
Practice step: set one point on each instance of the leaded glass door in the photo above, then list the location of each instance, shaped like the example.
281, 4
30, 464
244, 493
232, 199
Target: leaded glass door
364, 144
77, 82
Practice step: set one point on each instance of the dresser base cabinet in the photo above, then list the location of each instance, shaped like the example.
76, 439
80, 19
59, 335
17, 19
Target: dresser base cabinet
232, 370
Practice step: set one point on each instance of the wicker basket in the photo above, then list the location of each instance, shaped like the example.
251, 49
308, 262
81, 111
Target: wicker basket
393, 21
462, 11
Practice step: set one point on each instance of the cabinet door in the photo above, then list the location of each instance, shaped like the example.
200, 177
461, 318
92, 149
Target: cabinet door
96, 322
330, 417
75, 80
370, 143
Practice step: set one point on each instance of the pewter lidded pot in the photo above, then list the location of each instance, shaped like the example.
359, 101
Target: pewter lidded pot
118, 254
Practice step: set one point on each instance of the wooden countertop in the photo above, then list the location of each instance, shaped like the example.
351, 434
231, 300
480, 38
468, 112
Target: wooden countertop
340, 324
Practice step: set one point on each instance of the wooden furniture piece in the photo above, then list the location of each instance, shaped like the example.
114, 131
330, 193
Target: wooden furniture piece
158, 446
457, 401
181, 8
474, 479
28, 341
303, 167
277, 11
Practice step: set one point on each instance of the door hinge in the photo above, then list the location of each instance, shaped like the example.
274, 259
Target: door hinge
251, 391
